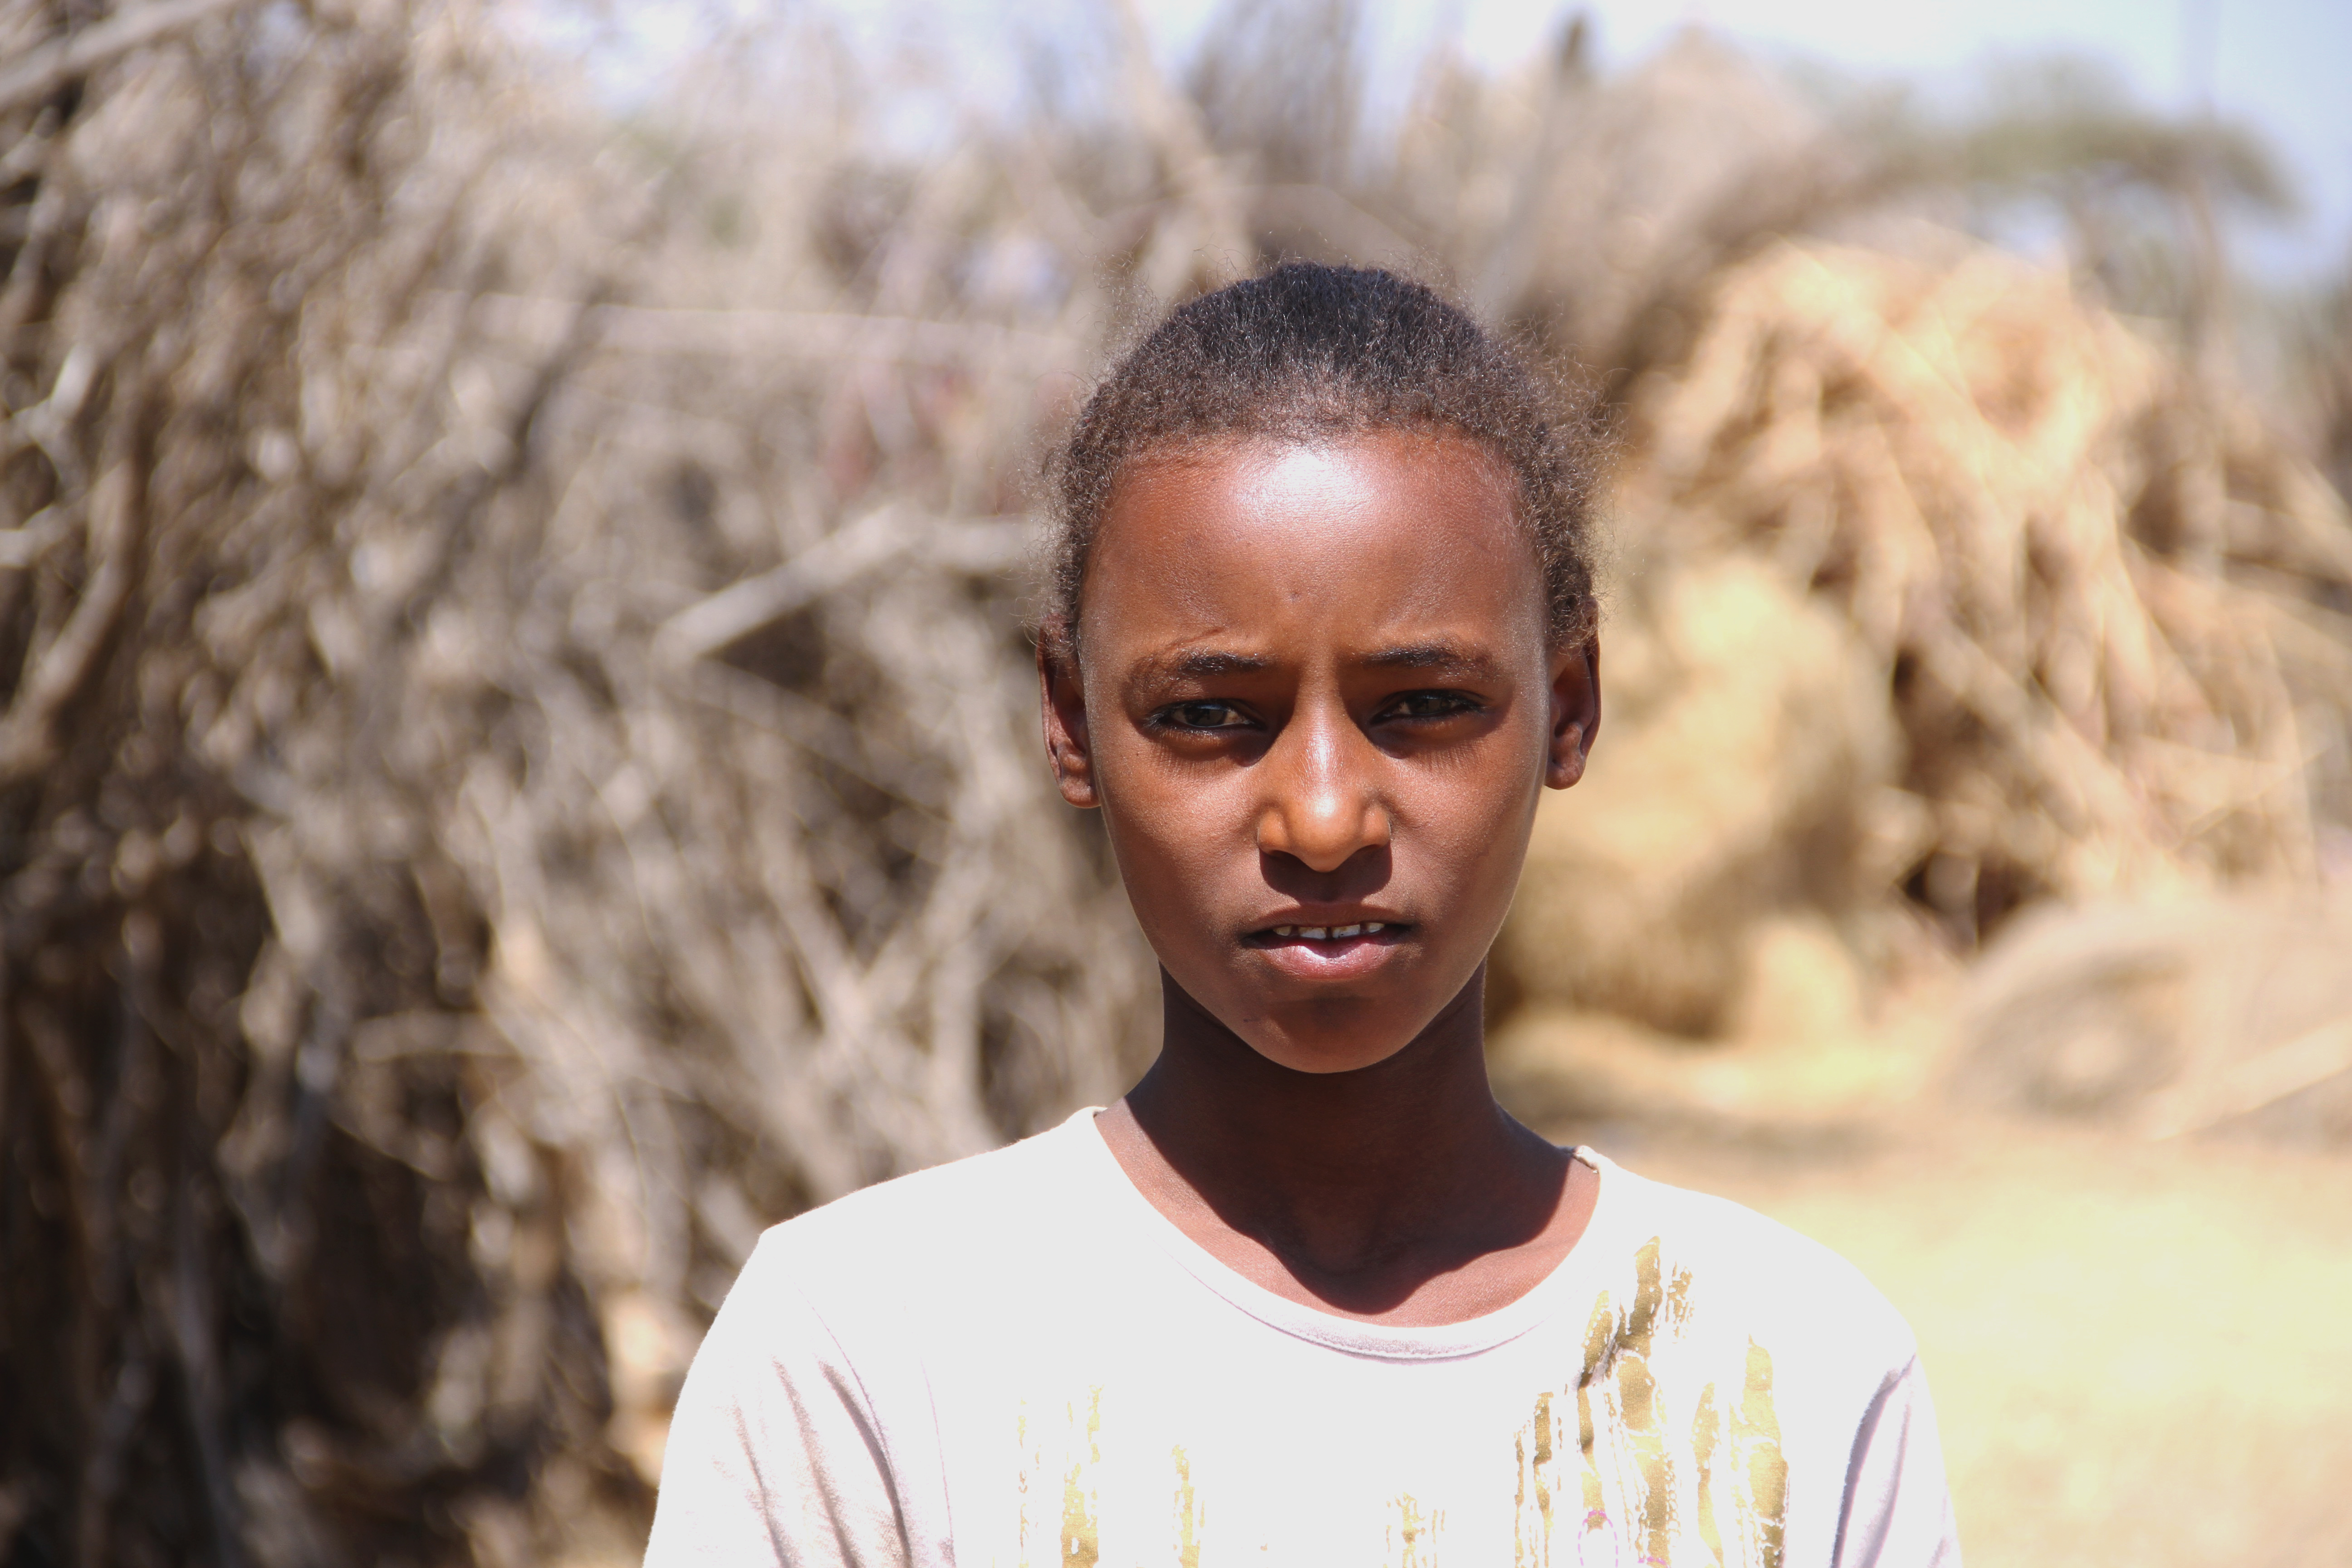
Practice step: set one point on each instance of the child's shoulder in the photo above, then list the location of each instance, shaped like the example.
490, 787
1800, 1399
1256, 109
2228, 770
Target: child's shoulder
984, 1206
1782, 1281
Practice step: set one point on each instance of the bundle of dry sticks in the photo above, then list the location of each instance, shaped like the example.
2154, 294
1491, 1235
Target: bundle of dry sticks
517, 769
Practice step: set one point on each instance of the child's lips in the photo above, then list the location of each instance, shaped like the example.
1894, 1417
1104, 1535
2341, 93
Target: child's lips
1329, 952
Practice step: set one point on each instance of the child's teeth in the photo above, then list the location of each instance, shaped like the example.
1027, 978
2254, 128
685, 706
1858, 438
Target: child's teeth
1314, 933
1285, 931
1371, 926
1346, 930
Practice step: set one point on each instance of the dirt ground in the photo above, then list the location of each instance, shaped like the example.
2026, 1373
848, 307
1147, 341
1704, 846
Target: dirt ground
2141, 1353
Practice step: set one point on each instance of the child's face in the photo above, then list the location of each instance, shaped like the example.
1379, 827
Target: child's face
1316, 694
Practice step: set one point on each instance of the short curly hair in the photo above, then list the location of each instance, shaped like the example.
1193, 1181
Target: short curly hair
1307, 350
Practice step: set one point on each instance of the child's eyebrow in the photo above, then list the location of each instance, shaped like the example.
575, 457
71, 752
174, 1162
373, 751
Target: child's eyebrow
1206, 665
1210, 664
1443, 656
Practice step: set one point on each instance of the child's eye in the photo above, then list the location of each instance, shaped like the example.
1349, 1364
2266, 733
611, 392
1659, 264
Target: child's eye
1430, 705
1204, 716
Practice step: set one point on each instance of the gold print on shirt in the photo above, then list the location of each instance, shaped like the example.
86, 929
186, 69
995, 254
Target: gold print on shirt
1411, 1534
1188, 1513
1639, 1500
1078, 1537
1756, 1436
1081, 1507
1664, 1453
1077, 1450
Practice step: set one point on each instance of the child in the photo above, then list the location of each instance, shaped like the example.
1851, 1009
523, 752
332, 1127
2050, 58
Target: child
1319, 630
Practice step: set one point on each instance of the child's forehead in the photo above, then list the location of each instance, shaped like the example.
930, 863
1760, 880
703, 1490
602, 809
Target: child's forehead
1401, 538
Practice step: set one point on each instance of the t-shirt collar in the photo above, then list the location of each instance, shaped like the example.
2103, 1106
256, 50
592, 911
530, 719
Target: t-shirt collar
1570, 1284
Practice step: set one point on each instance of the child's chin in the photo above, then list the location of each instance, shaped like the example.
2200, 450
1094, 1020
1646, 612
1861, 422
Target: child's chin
1326, 1054
1340, 1030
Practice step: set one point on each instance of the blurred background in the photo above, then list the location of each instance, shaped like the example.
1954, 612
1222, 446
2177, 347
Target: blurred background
517, 760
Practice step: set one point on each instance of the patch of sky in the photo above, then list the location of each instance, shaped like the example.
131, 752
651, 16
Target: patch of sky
2274, 66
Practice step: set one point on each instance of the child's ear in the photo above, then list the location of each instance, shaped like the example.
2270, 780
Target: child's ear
1063, 698
1575, 710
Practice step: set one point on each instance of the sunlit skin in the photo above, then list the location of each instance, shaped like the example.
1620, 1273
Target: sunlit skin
1315, 689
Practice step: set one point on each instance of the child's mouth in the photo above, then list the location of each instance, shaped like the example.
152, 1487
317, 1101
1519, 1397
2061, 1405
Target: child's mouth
1346, 951
1328, 938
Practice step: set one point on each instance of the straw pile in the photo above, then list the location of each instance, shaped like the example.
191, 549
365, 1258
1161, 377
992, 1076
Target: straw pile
2111, 612
1971, 599
1745, 767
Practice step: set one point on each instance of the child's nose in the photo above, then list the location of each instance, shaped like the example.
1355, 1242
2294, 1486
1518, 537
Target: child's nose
1321, 803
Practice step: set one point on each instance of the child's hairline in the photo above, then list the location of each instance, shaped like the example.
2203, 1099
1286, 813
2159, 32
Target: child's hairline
1180, 447
1548, 439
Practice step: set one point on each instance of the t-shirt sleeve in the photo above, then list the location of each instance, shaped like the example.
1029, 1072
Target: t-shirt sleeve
774, 1454
1898, 1507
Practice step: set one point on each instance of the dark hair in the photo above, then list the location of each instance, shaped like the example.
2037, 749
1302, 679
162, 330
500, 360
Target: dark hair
1307, 351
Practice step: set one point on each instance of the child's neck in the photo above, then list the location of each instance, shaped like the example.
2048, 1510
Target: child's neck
1400, 1192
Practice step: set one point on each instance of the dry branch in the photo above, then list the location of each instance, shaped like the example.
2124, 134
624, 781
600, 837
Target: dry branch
507, 792
50, 66
2250, 1085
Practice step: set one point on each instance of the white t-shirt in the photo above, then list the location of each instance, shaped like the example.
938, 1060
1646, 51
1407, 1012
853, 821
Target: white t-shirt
1016, 1362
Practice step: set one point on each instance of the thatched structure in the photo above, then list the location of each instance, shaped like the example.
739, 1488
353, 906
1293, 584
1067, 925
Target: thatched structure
1948, 596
